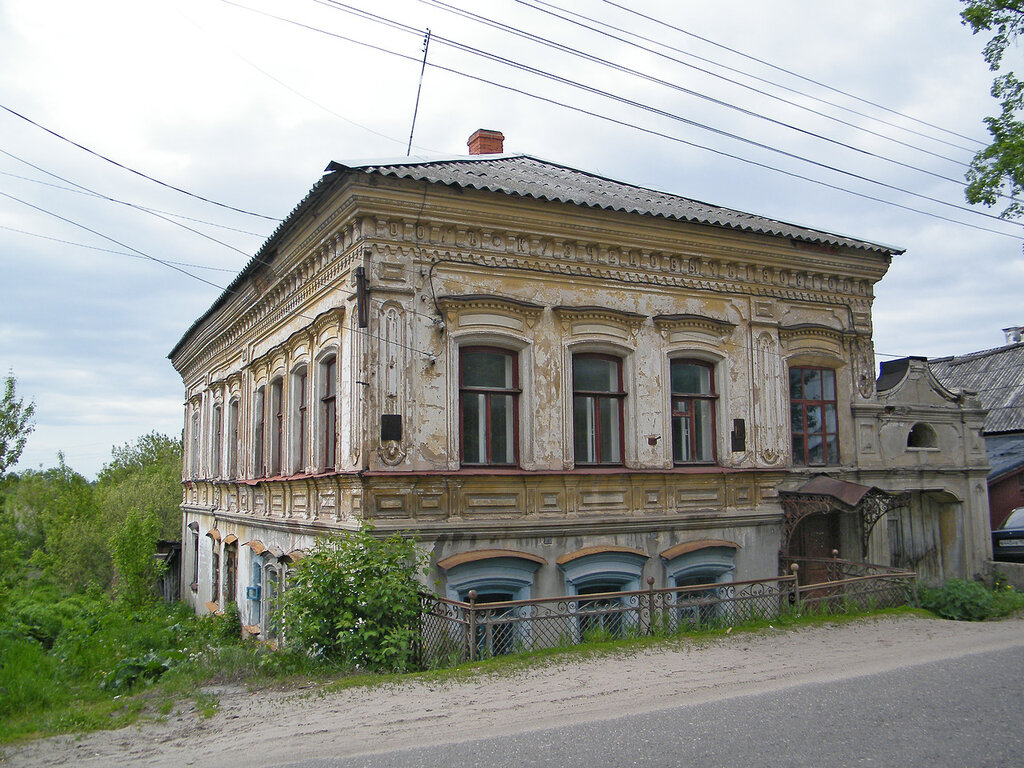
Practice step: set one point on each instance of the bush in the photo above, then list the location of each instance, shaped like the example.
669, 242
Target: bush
355, 601
959, 600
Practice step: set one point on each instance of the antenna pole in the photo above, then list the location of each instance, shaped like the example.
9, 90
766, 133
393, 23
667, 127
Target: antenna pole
416, 109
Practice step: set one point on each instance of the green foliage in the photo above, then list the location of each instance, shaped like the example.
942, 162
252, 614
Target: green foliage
971, 600
133, 545
144, 477
355, 601
146, 668
62, 531
998, 169
15, 424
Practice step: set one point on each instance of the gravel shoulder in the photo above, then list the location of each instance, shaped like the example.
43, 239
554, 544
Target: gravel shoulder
263, 728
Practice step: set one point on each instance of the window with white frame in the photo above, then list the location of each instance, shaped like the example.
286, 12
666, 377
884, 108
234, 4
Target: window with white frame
299, 421
328, 412
598, 409
276, 425
233, 438
194, 448
693, 411
488, 406
217, 442
259, 431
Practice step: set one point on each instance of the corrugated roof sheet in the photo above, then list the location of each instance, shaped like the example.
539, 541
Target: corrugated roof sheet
997, 375
526, 176
1005, 454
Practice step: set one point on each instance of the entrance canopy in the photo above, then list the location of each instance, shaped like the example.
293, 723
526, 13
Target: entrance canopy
824, 494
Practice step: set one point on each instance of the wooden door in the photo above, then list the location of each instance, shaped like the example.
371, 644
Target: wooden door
815, 537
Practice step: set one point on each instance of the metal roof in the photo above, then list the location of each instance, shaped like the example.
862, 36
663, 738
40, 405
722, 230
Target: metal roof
1005, 454
526, 176
997, 375
530, 177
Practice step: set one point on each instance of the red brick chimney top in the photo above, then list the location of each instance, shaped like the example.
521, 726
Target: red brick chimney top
485, 142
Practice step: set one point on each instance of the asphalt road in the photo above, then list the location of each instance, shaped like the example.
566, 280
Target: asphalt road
967, 712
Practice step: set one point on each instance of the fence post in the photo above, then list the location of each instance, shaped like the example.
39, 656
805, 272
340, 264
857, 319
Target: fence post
650, 605
795, 568
472, 624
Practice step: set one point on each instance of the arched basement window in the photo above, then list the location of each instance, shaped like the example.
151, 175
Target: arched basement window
922, 436
696, 563
497, 576
592, 573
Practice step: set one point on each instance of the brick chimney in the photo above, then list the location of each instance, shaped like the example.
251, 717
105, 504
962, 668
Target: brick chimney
485, 142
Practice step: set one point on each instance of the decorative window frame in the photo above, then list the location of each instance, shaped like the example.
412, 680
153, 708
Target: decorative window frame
319, 454
498, 339
630, 436
719, 364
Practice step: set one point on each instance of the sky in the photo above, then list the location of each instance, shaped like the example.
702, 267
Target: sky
852, 118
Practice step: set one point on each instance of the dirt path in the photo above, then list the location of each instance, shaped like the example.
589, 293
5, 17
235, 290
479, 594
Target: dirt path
253, 729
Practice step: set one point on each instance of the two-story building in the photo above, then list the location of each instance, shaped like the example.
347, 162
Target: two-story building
559, 384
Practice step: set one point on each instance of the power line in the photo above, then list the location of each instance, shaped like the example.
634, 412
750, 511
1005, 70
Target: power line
561, 10
110, 250
132, 170
697, 94
791, 73
110, 239
93, 193
649, 131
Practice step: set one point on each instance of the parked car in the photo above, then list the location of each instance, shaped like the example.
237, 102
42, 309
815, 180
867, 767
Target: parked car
1008, 539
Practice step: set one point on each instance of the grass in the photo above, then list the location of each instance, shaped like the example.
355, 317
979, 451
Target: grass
79, 663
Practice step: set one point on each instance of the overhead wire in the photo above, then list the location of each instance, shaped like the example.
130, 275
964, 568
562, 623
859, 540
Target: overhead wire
757, 78
700, 95
659, 134
672, 116
81, 189
791, 73
94, 153
112, 251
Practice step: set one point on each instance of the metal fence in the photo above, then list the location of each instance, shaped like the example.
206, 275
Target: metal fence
453, 631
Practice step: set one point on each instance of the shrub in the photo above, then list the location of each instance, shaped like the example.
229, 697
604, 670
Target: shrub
355, 601
959, 600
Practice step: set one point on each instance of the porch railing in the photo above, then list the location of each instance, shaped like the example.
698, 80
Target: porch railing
453, 631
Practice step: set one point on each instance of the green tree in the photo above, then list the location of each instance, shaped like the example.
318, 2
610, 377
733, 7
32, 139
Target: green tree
15, 425
998, 169
144, 476
60, 527
355, 600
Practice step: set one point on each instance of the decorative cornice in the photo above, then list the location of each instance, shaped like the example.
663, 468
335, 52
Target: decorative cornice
674, 323
814, 331
629, 322
692, 546
525, 313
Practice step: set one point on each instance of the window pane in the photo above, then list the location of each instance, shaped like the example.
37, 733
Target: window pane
830, 419
833, 449
796, 415
815, 450
812, 380
473, 422
799, 457
813, 419
828, 380
680, 439
594, 374
501, 429
690, 378
482, 368
703, 437
583, 429
608, 410
796, 383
